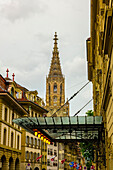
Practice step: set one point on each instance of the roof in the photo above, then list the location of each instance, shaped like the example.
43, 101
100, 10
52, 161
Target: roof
9, 98
26, 101
62, 129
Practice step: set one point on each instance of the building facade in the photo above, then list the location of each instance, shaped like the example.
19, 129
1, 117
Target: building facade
18, 148
10, 133
100, 72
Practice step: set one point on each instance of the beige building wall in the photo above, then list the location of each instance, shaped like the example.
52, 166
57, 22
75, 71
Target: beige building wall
100, 72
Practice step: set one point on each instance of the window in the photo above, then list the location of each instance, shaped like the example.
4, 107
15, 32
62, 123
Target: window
31, 142
12, 91
27, 155
5, 117
17, 95
55, 144
48, 151
55, 98
35, 114
4, 138
61, 89
35, 156
12, 118
60, 100
32, 114
12, 139
55, 88
48, 162
55, 152
27, 139
18, 140
49, 89
35, 142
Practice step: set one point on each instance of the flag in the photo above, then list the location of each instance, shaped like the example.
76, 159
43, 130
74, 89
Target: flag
92, 167
75, 165
63, 161
52, 159
71, 164
80, 167
38, 157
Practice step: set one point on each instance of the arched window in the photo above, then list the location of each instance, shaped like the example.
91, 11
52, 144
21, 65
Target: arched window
61, 89
35, 156
55, 88
27, 140
26, 154
31, 141
35, 114
12, 91
32, 114
49, 89
12, 139
60, 100
4, 137
12, 118
18, 140
35, 142
5, 116
29, 155
55, 99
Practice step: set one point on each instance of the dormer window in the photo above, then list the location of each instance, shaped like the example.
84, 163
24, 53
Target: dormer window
12, 91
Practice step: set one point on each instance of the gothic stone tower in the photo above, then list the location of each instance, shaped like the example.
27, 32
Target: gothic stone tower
55, 85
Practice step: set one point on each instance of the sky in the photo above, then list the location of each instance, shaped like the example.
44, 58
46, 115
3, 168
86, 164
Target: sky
27, 30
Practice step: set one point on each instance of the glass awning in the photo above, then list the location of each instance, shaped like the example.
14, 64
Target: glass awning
62, 129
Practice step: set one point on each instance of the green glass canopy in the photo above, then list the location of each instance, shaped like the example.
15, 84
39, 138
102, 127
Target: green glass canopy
62, 129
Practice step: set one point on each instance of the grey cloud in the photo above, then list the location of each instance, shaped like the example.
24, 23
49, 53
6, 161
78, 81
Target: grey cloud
21, 9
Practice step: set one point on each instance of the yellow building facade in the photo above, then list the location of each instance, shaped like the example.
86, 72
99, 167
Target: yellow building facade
19, 148
10, 133
100, 72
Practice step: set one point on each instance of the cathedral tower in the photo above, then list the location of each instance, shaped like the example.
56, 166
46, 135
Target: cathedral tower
55, 84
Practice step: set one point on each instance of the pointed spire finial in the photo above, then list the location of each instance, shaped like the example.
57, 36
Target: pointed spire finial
7, 72
55, 43
13, 76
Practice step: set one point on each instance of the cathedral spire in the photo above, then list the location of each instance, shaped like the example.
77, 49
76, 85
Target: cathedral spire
55, 68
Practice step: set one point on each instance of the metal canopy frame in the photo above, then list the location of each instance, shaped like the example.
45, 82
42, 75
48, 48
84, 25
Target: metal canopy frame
64, 129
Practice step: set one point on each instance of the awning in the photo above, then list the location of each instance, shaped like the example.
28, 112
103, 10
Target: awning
64, 129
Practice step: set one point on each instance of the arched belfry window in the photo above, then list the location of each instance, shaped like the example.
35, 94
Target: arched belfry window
55, 98
49, 89
55, 88
61, 89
